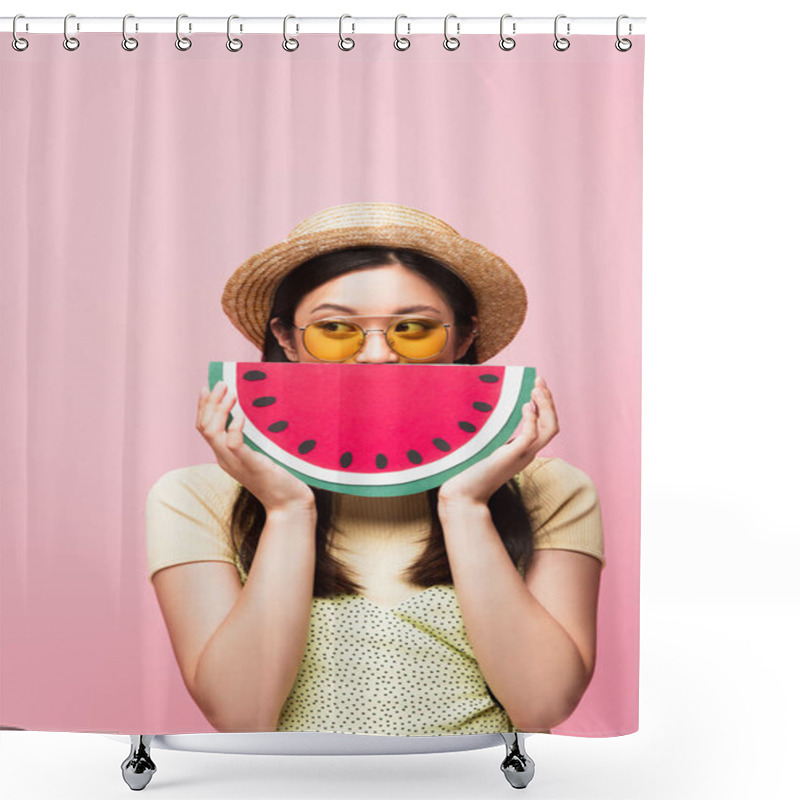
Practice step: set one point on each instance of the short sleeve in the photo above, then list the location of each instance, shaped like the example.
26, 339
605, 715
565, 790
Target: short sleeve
563, 507
187, 517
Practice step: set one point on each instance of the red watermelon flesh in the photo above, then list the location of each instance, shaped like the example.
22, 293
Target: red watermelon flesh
375, 428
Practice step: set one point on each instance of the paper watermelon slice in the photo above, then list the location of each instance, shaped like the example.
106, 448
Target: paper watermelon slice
375, 430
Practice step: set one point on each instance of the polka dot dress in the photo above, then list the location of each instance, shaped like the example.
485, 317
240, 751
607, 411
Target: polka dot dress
408, 670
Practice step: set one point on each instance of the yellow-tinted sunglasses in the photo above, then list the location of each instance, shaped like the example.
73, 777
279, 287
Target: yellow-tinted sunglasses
337, 339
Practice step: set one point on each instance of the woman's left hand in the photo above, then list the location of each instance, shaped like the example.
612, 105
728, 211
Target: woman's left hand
477, 483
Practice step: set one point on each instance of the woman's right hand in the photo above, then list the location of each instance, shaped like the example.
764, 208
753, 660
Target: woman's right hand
273, 485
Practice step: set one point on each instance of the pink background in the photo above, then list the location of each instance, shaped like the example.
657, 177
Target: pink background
133, 184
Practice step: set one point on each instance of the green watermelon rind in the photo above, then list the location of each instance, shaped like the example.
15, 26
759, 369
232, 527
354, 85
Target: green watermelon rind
216, 373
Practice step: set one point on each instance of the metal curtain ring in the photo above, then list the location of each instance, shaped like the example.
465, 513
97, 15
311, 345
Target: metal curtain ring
70, 42
234, 45
400, 42
289, 44
451, 42
560, 42
182, 42
17, 42
623, 45
506, 42
345, 42
128, 42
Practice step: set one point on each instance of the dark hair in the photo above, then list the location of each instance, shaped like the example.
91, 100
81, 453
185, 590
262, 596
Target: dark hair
508, 512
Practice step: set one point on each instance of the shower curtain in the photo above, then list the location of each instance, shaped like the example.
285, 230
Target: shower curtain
142, 190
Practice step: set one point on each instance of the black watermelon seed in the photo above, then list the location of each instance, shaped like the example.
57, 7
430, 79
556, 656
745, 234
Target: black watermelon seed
260, 402
488, 378
254, 375
414, 457
467, 426
346, 460
277, 427
441, 444
381, 461
481, 406
306, 446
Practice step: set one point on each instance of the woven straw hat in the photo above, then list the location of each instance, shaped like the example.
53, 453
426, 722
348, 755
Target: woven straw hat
499, 293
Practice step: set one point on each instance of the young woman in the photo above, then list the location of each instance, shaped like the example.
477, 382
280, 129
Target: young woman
469, 608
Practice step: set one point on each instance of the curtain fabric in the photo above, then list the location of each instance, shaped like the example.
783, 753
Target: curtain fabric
134, 184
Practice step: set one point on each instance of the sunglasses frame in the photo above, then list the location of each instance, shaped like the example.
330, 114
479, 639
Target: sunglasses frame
366, 331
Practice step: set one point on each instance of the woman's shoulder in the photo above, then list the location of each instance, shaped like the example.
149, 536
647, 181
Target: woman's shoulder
197, 479
553, 471
563, 506
187, 513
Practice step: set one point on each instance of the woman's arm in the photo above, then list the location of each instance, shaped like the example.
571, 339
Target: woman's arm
241, 670
534, 639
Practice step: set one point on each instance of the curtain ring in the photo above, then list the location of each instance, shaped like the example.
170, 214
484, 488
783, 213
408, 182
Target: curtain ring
289, 44
560, 42
70, 42
451, 42
623, 45
128, 42
506, 42
400, 42
345, 42
182, 42
234, 45
17, 42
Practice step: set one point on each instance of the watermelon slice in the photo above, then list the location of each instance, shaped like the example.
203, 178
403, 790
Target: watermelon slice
375, 430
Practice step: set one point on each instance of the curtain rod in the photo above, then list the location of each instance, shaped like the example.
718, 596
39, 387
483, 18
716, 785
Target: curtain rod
351, 24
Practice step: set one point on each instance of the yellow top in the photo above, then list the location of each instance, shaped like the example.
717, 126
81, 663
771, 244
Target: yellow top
394, 660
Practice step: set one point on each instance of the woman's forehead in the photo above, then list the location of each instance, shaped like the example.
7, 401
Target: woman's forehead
386, 290
416, 308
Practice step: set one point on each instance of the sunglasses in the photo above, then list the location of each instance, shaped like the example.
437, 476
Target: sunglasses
337, 339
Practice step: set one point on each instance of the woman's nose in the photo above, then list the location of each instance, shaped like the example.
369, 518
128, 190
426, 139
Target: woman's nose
376, 350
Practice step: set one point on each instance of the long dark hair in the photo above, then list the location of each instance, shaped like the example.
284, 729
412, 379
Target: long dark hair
508, 512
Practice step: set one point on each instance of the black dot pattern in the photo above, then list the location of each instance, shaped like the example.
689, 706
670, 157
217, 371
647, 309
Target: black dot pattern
407, 670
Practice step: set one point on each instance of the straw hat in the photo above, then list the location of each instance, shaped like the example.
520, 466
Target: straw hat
499, 293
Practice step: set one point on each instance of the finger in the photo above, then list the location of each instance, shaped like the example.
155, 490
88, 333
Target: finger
533, 423
229, 445
542, 394
548, 421
529, 431
237, 449
201, 404
218, 415
541, 387
235, 433
211, 400
220, 419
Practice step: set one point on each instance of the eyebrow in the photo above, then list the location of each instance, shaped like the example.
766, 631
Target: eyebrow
405, 310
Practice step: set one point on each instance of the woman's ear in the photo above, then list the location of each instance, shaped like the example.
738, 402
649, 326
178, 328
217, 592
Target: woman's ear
285, 340
468, 340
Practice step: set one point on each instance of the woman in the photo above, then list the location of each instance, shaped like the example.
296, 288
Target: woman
470, 608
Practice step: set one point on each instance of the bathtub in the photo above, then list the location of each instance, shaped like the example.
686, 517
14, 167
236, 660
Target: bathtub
138, 768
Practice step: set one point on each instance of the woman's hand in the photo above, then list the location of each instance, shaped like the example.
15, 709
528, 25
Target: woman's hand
274, 486
477, 483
